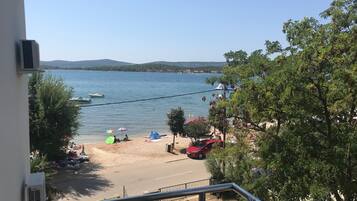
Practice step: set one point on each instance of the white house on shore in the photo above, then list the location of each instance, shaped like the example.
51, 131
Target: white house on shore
14, 120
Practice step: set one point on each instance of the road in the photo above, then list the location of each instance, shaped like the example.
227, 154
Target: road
138, 178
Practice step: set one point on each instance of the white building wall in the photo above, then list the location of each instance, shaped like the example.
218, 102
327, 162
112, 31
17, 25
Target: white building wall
14, 126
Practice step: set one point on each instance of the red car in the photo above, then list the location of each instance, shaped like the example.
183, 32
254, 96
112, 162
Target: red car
202, 148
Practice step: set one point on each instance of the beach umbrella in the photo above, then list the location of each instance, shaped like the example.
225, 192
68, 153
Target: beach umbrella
122, 129
110, 140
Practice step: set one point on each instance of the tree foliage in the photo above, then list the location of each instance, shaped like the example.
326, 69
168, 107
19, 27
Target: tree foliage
53, 118
301, 101
176, 120
217, 115
239, 166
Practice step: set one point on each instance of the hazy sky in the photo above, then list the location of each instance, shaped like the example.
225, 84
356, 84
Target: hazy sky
151, 30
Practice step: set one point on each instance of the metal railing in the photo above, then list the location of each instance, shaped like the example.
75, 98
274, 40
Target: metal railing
200, 191
191, 184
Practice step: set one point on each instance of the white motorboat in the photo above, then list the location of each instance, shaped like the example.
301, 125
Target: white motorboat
81, 100
96, 95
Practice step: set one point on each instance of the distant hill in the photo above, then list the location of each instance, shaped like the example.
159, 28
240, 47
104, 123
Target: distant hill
157, 66
83, 63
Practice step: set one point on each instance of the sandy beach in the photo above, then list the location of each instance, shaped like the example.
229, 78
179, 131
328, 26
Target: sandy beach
138, 165
136, 150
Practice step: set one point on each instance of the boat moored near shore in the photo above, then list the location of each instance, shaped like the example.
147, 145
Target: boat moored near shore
96, 95
81, 100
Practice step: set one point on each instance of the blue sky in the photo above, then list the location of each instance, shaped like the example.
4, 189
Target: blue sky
151, 30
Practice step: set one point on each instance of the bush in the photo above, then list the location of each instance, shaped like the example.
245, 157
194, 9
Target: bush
39, 163
53, 118
197, 129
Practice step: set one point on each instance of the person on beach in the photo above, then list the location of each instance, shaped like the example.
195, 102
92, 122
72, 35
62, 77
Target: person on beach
116, 140
126, 138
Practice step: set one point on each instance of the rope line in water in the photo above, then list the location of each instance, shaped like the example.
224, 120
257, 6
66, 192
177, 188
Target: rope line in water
147, 99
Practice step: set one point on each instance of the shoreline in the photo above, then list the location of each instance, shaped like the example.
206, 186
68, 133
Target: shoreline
183, 71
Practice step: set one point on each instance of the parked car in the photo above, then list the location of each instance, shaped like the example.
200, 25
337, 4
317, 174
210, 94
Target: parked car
200, 149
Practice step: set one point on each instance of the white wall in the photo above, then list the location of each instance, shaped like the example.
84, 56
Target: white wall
14, 129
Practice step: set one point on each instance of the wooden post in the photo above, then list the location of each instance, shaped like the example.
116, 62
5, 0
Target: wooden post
202, 197
124, 193
173, 144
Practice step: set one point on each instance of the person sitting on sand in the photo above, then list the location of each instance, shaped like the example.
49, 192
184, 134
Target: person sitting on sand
116, 140
126, 138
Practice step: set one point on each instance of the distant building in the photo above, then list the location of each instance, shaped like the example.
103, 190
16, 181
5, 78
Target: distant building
14, 120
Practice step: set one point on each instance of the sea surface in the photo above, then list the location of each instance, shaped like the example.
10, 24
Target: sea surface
139, 117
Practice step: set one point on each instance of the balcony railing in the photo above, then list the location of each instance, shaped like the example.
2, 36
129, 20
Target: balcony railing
200, 191
191, 184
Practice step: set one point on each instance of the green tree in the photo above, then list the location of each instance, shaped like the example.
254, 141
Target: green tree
53, 118
197, 129
234, 58
217, 117
240, 165
301, 102
176, 119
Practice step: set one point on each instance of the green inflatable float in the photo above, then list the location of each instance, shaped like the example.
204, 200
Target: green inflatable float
110, 140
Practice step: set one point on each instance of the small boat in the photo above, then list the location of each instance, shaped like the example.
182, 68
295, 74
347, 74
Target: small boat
96, 95
220, 87
81, 100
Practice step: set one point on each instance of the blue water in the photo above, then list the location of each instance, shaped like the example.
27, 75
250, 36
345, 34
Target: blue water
140, 117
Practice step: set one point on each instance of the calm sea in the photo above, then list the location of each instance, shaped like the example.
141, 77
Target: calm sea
140, 117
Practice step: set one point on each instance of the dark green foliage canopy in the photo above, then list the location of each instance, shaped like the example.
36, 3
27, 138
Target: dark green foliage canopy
176, 119
217, 115
301, 102
147, 67
239, 166
53, 118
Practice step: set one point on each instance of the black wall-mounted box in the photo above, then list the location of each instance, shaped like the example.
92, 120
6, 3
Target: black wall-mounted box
30, 56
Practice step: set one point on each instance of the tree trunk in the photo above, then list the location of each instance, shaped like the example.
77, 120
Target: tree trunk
173, 141
224, 140
224, 131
